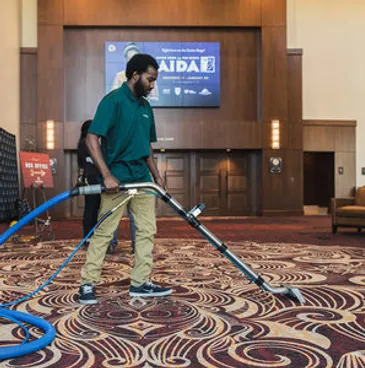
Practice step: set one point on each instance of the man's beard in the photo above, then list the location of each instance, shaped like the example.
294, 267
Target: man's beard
139, 89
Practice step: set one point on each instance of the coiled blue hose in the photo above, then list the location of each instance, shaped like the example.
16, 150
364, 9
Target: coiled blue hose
27, 347
18, 317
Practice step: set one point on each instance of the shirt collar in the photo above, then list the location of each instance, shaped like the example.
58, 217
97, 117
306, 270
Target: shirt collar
131, 95
128, 92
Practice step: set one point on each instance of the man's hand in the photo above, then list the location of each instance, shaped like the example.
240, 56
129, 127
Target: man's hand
160, 182
154, 171
81, 181
111, 184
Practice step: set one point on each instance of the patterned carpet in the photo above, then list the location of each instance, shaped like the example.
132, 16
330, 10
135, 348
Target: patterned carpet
214, 318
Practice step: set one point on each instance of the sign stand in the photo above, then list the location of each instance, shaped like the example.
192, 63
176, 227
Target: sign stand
37, 176
42, 226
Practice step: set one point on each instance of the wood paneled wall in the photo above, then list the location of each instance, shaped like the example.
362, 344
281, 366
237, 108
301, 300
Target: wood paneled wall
257, 28
233, 125
187, 13
338, 136
28, 95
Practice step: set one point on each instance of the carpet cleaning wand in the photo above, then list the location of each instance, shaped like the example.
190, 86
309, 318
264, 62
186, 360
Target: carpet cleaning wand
191, 218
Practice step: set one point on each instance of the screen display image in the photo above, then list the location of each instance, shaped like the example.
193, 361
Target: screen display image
189, 72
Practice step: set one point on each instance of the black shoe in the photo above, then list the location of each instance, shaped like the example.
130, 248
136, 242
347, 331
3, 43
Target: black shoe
149, 289
111, 248
87, 295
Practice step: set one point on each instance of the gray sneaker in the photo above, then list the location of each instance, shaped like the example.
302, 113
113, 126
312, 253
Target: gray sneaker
87, 295
149, 289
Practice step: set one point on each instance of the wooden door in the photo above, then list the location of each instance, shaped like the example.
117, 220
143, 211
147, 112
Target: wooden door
222, 182
174, 167
236, 184
210, 181
225, 182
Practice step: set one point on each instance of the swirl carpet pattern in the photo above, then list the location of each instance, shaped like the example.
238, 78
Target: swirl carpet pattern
214, 318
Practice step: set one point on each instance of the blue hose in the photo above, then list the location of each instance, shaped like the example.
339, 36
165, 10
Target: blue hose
18, 317
7, 316
28, 347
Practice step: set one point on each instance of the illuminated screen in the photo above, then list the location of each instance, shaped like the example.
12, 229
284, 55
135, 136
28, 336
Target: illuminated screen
189, 72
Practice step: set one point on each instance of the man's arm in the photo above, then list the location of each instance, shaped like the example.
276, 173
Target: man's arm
154, 170
110, 182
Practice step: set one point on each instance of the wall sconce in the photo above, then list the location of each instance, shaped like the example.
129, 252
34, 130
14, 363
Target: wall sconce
275, 134
50, 134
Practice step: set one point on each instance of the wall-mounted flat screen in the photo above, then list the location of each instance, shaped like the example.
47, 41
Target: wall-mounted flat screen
189, 72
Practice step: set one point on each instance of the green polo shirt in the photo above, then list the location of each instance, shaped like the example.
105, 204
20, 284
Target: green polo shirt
126, 126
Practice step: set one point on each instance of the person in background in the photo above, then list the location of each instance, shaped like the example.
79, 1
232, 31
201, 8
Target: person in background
89, 175
119, 141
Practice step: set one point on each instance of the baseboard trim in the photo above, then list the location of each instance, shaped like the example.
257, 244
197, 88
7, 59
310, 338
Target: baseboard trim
292, 212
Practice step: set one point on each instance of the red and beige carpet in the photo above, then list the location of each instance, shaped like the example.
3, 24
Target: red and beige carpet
215, 317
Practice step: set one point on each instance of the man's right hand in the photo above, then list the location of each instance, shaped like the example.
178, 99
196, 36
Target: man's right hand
111, 184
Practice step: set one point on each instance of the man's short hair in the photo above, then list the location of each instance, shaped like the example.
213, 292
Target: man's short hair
139, 63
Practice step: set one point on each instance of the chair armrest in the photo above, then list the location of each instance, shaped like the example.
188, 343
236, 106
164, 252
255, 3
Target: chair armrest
339, 202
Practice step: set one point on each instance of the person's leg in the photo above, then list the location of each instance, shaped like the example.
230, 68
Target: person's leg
91, 209
115, 235
114, 242
100, 240
142, 208
132, 228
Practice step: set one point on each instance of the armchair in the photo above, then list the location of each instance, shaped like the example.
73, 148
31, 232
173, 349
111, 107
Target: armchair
349, 212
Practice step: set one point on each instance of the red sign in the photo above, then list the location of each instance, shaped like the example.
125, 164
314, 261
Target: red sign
36, 170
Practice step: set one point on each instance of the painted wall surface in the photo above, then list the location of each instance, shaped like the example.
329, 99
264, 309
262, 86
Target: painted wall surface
29, 23
9, 65
332, 36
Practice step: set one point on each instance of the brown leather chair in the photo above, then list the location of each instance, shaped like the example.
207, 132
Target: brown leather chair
349, 212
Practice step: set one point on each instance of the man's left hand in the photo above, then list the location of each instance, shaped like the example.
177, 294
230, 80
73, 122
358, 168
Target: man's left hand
160, 182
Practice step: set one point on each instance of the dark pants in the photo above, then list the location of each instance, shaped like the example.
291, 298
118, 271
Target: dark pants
92, 204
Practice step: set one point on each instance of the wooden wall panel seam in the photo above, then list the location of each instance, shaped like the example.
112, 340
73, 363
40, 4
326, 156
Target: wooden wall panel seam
330, 123
28, 50
292, 52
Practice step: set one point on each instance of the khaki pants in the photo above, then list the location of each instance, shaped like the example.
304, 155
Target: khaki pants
142, 208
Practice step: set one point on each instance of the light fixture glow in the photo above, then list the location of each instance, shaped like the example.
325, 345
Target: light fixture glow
50, 131
275, 134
